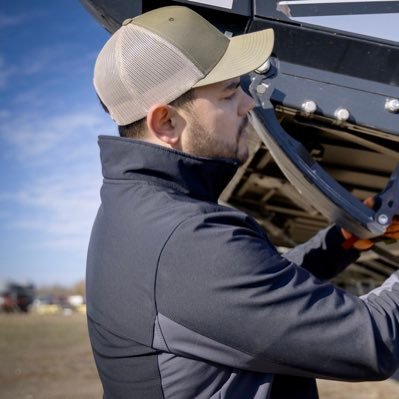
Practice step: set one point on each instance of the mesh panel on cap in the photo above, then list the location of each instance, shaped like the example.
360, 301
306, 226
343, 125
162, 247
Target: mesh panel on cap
138, 69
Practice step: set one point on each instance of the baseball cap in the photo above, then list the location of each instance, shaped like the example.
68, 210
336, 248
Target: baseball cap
159, 55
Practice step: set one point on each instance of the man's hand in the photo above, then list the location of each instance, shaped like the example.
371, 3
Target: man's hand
393, 229
391, 233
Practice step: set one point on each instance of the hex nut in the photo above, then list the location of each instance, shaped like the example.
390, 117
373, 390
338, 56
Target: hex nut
392, 105
342, 114
309, 107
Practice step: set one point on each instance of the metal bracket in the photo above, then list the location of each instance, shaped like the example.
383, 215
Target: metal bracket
310, 179
387, 202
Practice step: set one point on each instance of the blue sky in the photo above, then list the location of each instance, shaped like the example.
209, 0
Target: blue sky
49, 122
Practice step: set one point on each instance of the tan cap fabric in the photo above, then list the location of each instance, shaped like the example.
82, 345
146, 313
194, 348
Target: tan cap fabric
159, 55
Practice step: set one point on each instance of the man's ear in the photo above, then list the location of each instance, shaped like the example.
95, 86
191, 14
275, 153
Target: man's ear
163, 125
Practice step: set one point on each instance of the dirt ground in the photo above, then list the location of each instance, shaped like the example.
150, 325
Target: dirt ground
49, 357
46, 356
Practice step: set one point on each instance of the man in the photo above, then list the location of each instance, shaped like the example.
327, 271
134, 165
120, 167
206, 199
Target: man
187, 298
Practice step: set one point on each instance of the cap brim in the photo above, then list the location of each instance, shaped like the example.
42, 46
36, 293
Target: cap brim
244, 54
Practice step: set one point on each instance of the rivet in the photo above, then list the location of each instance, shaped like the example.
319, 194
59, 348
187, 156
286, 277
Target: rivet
309, 107
342, 114
392, 105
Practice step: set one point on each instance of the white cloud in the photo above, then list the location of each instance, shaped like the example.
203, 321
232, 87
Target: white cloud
63, 208
55, 62
7, 21
57, 58
4, 113
29, 99
37, 138
6, 72
61, 194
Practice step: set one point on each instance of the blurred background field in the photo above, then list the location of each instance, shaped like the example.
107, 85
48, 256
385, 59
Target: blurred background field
48, 356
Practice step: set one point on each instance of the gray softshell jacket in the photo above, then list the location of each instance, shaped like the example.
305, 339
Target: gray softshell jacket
189, 299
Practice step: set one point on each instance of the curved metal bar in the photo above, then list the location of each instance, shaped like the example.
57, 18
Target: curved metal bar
310, 179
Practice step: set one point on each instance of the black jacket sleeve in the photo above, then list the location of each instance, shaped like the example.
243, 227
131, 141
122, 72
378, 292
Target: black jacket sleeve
323, 255
224, 294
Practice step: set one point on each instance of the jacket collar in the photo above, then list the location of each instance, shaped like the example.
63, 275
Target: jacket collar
128, 159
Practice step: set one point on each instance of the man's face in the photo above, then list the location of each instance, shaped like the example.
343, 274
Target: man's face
217, 121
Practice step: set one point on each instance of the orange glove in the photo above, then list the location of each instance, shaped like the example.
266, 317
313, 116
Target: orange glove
391, 233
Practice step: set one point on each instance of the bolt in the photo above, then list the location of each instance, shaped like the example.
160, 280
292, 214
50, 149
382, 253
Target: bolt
309, 107
261, 89
342, 114
383, 219
392, 105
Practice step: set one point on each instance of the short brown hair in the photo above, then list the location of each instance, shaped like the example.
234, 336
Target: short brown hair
137, 129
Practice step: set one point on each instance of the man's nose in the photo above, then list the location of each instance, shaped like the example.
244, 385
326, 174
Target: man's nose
247, 103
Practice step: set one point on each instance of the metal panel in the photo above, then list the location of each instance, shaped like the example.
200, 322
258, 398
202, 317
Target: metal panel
283, 10
365, 108
334, 52
111, 14
307, 8
240, 7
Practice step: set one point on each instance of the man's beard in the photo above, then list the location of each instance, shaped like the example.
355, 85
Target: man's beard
202, 143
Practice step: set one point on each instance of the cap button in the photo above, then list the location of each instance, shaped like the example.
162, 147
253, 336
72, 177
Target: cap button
127, 21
